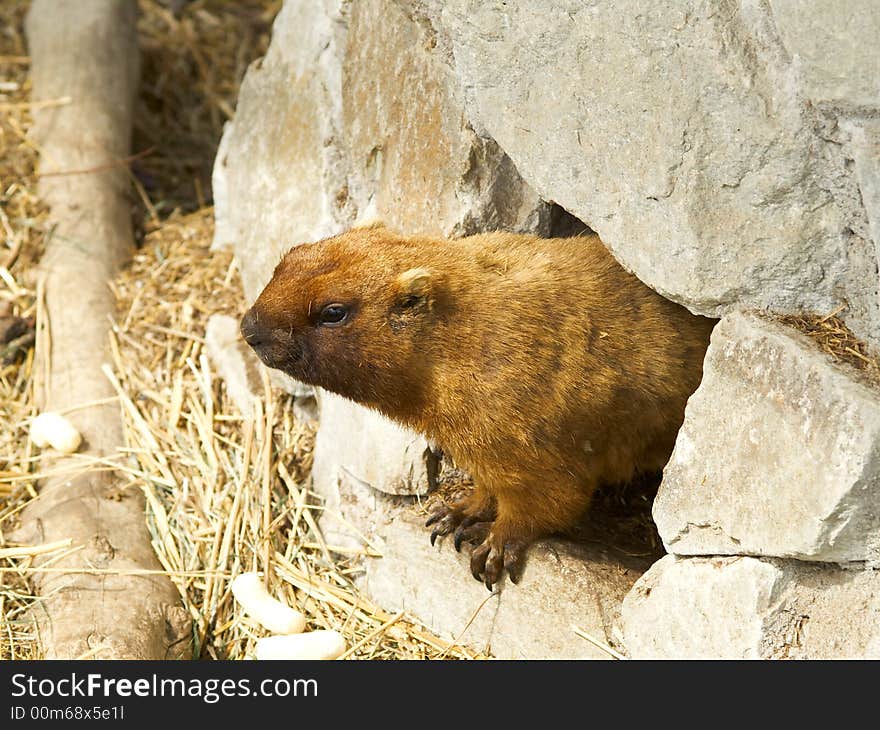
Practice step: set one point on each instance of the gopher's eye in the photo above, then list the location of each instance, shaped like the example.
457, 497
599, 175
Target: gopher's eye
333, 314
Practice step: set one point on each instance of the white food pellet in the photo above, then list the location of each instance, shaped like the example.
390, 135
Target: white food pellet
272, 614
311, 645
53, 429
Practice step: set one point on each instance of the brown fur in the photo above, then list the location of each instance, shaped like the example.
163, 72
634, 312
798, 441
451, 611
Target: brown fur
540, 365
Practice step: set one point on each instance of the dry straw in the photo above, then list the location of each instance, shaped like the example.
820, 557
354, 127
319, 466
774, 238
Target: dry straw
22, 237
837, 341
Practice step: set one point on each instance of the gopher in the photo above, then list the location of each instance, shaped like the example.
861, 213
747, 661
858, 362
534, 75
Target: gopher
540, 365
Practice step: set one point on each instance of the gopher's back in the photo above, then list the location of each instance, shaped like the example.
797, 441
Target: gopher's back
565, 358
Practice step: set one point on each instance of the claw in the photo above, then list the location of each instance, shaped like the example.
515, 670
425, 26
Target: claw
478, 560
494, 564
513, 560
492, 557
434, 517
445, 520
470, 530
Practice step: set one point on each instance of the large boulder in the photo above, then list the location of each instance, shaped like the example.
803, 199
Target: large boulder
779, 454
701, 145
750, 608
564, 586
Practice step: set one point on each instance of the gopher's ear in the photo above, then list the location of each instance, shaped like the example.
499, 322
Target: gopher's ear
415, 282
415, 296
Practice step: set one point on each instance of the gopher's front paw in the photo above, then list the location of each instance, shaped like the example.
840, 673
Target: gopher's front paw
495, 555
470, 525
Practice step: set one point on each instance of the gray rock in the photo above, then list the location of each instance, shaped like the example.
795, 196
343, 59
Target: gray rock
359, 455
564, 586
864, 150
235, 362
280, 175
834, 45
681, 133
224, 230
750, 608
369, 447
779, 454
428, 582
415, 159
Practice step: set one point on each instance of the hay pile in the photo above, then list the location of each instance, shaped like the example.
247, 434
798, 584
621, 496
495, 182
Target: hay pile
192, 63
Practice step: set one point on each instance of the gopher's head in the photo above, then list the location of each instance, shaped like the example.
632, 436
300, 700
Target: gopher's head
352, 314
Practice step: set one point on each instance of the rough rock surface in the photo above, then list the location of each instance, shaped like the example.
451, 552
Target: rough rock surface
234, 362
277, 168
565, 585
779, 454
834, 45
416, 161
701, 146
864, 135
357, 450
750, 608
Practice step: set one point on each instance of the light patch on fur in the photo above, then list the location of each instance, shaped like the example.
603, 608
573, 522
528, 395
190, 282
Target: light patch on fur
415, 281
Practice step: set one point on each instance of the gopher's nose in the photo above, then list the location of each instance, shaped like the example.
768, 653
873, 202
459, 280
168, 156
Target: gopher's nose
253, 332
